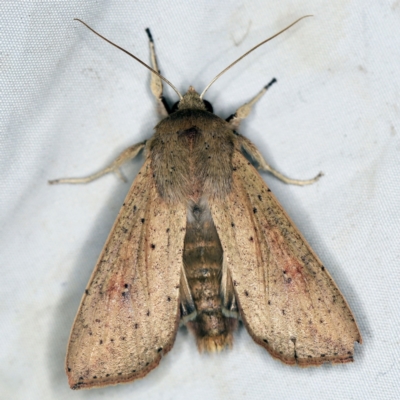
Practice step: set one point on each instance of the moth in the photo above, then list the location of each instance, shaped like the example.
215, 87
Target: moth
201, 240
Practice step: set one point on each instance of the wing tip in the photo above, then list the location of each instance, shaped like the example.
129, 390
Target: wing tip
318, 361
309, 361
95, 382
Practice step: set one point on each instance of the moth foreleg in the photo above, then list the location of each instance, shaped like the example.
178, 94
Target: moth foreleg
253, 152
243, 111
128, 154
156, 85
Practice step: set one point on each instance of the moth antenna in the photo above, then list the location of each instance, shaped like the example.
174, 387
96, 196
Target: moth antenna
136, 58
251, 50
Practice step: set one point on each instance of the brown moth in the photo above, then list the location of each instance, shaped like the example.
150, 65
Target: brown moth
202, 240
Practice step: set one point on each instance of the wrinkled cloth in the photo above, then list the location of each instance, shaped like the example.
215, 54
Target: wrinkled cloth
70, 103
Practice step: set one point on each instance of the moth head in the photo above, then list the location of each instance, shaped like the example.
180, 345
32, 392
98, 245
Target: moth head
192, 100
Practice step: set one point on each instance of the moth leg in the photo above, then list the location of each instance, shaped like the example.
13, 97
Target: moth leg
128, 154
243, 111
253, 152
156, 85
229, 304
188, 308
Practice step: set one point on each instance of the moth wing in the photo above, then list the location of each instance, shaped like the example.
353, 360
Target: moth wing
130, 313
287, 300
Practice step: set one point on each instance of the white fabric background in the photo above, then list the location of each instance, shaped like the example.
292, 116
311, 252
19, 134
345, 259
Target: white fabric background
70, 103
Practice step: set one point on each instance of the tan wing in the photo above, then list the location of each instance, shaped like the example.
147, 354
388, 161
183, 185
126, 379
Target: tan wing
129, 315
288, 302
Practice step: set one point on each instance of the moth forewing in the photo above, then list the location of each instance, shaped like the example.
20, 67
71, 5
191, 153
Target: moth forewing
130, 312
288, 302
201, 238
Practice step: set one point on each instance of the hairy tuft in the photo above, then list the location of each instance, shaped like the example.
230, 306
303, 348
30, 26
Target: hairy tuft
214, 344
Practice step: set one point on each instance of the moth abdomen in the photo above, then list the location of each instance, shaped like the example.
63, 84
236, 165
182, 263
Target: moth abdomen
202, 258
